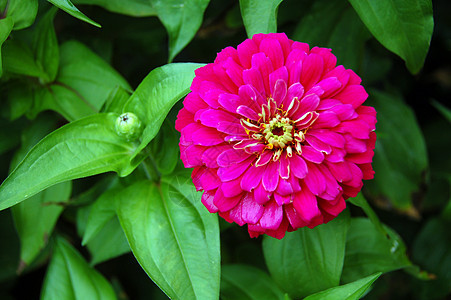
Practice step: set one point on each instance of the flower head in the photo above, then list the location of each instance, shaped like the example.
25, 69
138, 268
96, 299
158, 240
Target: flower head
277, 135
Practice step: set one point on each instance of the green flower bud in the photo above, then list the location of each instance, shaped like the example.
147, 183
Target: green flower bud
128, 126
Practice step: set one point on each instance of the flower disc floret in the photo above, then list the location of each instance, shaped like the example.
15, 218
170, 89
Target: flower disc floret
277, 135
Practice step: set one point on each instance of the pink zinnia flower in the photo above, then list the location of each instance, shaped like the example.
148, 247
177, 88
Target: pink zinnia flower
277, 135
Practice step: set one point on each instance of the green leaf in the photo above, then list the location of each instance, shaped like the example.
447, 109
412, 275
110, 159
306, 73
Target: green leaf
20, 98
9, 255
247, 282
402, 26
68, 7
361, 202
308, 260
259, 16
171, 214
164, 154
400, 158
6, 25
18, 58
116, 100
23, 12
135, 8
156, 95
102, 211
45, 46
36, 218
446, 112
350, 291
182, 19
82, 148
88, 75
70, 277
369, 251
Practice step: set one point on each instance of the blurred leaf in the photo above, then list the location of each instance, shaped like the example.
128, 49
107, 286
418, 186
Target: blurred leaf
135, 8
83, 148
182, 19
9, 135
247, 282
20, 98
259, 16
6, 25
45, 46
116, 100
402, 26
108, 243
102, 211
156, 95
400, 155
171, 214
336, 26
70, 277
446, 112
36, 218
23, 12
68, 7
164, 154
369, 251
350, 291
432, 251
18, 58
361, 202
88, 75
308, 260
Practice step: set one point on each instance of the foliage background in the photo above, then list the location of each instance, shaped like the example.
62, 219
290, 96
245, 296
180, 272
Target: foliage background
58, 69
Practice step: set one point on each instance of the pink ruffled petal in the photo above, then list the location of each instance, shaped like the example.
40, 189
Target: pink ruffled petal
284, 187
184, 118
273, 49
264, 65
224, 203
251, 210
245, 51
272, 216
231, 156
210, 155
234, 71
293, 217
340, 171
352, 94
271, 176
207, 201
210, 180
252, 178
205, 136
317, 144
283, 199
234, 170
311, 154
254, 77
315, 180
326, 119
232, 188
328, 136
261, 195
306, 205
312, 69
298, 166
247, 112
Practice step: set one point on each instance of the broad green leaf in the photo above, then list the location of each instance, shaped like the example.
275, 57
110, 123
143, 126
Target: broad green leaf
432, 251
156, 95
350, 291
182, 19
361, 202
116, 100
135, 8
18, 58
36, 218
102, 211
70, 277
45, 46
82, 148
369, 251
308, 260
164, 154
400, 158
338, 27
88, 75
23, 12
6, 25
68, 7
173, 237
402, 26
259, 16
247, 282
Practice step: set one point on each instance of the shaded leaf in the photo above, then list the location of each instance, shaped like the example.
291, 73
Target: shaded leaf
369, 251
136, 8
400, 154
182, 19
402, 26
171, 214
247, 282
6, 25
18, 58
259, 16
446, 112
68, 7
164, 154
23, 12
83, 148
70, 277
350, 291
308, 260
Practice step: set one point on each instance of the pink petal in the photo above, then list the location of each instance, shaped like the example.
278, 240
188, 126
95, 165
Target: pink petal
326, 119
184, 118
296, 90
232, 188
252, 178
361, 158
193, 102
229, 102
315, 180
312, 69
284, 187
264, 65
210, 155
231, 156
307, 104
367, 170
312, 155
251, 210
281, 199
284, 167
293, 217
273, 49
254, 77
234, 71
340, 171
210, 180
272, 216
356, 128
298, 166
251, 97
352, 94
264, 158
224, 79
213, 117
245, 51
279, 91
330, 86
333, 210
234, 170
225, 54
206, 136
306, 205
247, 112
294, 72
192, 155
207, 201
224, 203
261, 195
317, 144
329, 137
271, 176
332, 187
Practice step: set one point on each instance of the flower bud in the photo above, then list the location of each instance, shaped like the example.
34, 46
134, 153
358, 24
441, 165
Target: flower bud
128, 126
